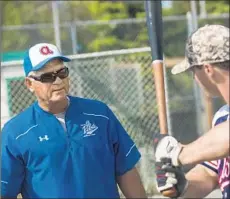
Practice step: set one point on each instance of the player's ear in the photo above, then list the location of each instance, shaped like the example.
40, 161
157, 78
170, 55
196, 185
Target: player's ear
208, 68
29, 84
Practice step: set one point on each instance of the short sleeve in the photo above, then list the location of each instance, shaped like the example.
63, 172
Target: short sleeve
125, 150
12, 169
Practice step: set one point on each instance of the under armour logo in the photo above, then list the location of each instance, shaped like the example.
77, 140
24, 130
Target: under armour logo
43, 138
89, 129
45, 50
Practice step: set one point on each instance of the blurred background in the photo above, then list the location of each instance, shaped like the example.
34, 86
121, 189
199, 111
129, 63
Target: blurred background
108, 43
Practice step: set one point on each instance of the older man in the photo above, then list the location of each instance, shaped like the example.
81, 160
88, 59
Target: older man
64, 146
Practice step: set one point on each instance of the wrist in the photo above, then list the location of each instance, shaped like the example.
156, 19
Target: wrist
180, 162
176, 154
181, 156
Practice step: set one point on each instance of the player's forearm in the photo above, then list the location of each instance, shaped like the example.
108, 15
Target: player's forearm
131, 185
200, 183
196, 189
211, 146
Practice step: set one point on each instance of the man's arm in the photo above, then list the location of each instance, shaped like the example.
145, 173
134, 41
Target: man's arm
12, 167
131, 185
212, 145
126, 157
201, 182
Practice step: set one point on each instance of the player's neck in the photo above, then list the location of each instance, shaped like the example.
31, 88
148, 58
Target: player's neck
224, 90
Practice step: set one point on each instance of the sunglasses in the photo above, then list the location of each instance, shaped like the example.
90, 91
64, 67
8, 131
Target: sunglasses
52, 76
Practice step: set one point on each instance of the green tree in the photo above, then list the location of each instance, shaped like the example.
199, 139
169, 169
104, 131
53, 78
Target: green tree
98, 37
19, 13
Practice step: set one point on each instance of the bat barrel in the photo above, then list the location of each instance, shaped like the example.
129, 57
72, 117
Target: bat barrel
158, 74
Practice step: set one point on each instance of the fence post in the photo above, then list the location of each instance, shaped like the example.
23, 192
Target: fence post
194, 15
196, 89
56, 24
204, 109
203, 12
73, 33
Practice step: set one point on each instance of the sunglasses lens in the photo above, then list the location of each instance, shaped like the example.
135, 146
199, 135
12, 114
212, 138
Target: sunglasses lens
63, 73
48, 78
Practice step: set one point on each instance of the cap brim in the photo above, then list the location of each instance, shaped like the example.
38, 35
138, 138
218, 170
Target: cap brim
43, 63
181, 67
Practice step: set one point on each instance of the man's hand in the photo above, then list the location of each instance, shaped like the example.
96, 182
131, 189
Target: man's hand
170, 178
166, 146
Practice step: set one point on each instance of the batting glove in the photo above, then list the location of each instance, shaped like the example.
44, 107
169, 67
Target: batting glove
166, 146
170, 177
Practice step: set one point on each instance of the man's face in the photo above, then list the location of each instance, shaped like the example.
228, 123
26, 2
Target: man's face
49, 92
204, 81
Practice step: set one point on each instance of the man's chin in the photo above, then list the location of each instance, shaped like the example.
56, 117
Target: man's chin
59, 96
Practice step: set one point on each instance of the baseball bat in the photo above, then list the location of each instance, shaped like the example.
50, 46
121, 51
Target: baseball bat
155, 32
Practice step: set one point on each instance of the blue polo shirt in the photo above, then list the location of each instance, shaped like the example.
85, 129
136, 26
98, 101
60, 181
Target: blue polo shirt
41, 160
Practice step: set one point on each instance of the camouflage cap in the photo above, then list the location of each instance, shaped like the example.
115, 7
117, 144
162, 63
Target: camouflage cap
209, 44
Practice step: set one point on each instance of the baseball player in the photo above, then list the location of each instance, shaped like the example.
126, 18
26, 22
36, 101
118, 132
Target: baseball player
64, 146
207, 57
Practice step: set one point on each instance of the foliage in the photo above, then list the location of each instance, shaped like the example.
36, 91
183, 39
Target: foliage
99, 37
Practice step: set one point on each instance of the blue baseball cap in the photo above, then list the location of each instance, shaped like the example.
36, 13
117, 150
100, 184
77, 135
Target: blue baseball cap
39, 55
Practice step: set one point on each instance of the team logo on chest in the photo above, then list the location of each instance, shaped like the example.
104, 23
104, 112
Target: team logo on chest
88, 129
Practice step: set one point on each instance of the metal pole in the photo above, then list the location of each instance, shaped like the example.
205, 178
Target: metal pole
203, 12
189, 23
56, 24
196, 89
205, 106
194, 14
73, 30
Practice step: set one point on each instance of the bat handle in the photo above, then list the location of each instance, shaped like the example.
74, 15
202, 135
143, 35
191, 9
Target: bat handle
171, 192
